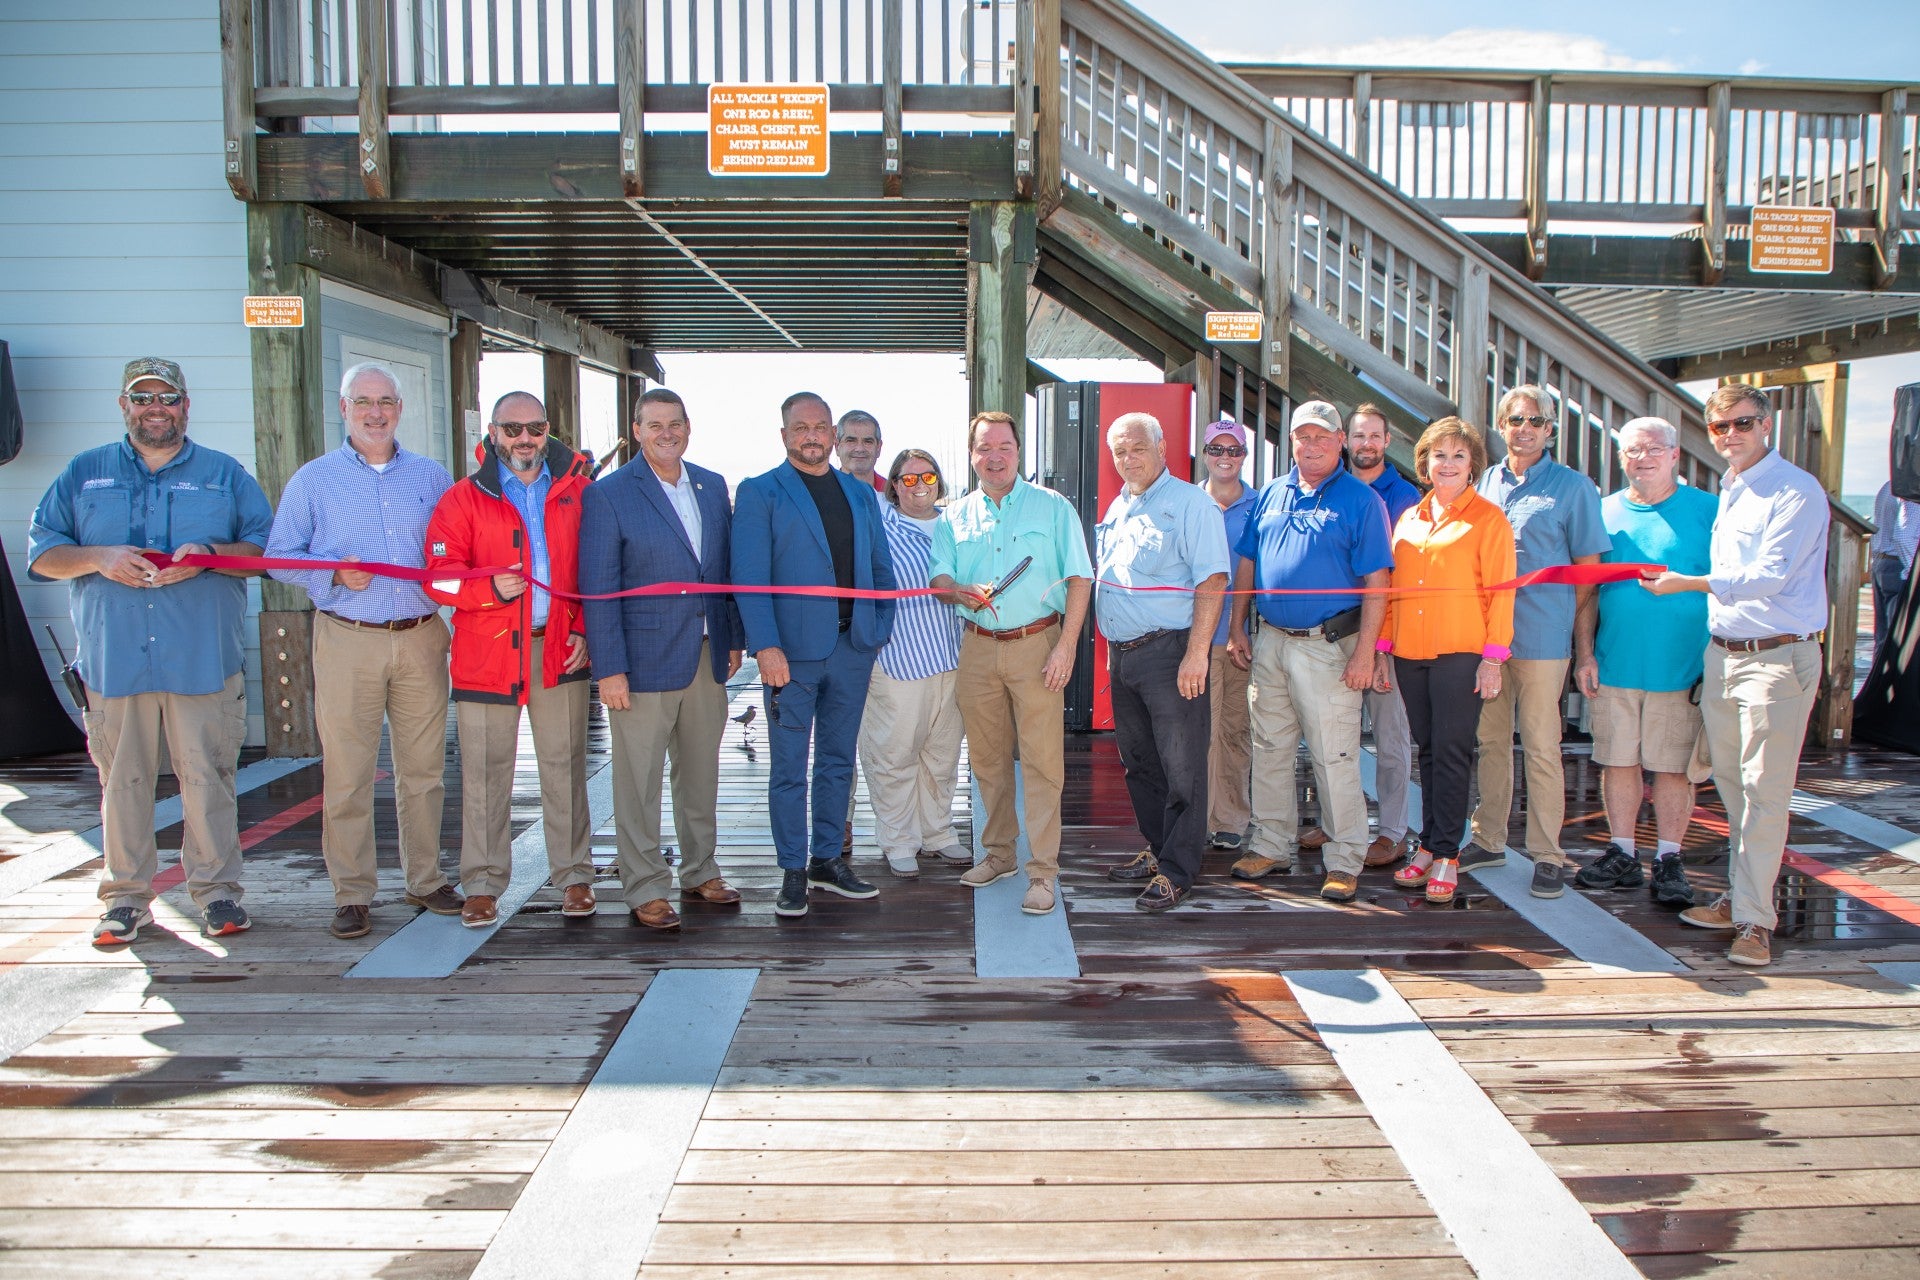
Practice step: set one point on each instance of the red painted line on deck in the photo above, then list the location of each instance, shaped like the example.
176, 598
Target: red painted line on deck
1876, 896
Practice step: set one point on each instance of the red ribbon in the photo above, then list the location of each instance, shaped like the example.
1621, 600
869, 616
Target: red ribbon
1559, 575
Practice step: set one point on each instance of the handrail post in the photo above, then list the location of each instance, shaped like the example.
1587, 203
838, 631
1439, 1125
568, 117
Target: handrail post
1470, 315
1023, 59
891, 61
1713, 226
1276, 273
1048, 105
630, 86
1361, 144
237, 64
1539, 130
1887, 220
370, 16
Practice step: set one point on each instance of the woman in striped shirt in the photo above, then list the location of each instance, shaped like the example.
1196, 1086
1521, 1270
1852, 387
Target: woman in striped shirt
910, 734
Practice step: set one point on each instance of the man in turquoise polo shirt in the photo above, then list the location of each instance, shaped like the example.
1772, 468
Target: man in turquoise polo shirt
1017, 656
1639, 656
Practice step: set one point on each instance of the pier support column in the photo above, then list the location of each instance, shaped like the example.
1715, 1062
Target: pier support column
1000, 256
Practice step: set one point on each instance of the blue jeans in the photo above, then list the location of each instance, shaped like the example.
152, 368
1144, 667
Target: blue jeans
815, 713
1889, 592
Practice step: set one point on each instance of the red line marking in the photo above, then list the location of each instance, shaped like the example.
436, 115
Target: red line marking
1873, 895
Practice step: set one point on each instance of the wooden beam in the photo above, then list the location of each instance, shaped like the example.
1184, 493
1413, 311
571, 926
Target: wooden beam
893, 162
1539, 131
1470, 320
375, 162
1894, 337
236, 98
1713, 223
1362, 103
1888, 222
1048, 105
463, 390
1000, 260
1023, 82
1276, 250
1666, 262
1832, 721
561, 376
630, 77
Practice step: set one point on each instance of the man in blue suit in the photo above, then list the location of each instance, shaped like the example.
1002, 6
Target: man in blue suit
662, 661
805, 524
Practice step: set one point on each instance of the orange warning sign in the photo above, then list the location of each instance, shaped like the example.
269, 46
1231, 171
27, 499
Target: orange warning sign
1796, 240
266, 311
767, 130
1233, 326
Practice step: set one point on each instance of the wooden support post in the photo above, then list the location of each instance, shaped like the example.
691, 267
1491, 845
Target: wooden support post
630, 79
376, 172
463, 390
1000, 253
1713, 222
1023, 79
236, 98
1276, 256
893, 160
1887, 220
1206, 386
1470, 341
562, 396
1539, 129
1832, 720
1049, 107
1362, 144
288, 401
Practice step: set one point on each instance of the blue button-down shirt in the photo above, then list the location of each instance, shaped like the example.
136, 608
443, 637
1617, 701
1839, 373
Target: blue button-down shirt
181, 639
1396, 491
338, 506
1169, 535
531, 501
1555, 514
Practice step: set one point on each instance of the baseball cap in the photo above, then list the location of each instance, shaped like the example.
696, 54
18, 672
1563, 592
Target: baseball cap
1225, 427
152, 367
1316, 413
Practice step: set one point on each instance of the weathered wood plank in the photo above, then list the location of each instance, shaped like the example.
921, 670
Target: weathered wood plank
1373, 1163
42, 1189
1737, 1192
1065, 1105
59, 1124
185, 1228
189, 1155
194, 1263
1145, 1202
1316, 1269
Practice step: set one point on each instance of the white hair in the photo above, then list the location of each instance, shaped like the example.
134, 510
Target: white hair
1652, 426
355, 372
1145, 422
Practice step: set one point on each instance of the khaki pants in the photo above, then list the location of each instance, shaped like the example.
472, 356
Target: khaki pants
204, 733
1755, 707
686, 724
1230, 752
1530, 690
1005, 705
362, 675
910, 746
489, 747
1393, 759
1294, 692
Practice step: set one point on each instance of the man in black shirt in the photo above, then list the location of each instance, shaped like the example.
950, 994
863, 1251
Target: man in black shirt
804, 524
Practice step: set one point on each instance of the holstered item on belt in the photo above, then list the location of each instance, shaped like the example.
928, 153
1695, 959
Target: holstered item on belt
1341, 625
70, 673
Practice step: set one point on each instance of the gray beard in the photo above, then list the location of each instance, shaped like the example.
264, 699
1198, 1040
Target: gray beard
528, 464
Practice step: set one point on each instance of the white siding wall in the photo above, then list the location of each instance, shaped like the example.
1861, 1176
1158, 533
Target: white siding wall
118, 238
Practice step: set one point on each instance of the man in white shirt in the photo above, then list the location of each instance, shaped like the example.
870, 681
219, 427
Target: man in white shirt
1767, 613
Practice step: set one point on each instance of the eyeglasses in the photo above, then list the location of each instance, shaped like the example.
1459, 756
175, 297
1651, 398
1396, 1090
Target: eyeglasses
387, 404
1742, 425
1640, 451
512, 430
145, 398
912, 478
1225, 451
1526, 420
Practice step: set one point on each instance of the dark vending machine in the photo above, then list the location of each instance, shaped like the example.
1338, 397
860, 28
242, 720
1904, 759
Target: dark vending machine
1070, 456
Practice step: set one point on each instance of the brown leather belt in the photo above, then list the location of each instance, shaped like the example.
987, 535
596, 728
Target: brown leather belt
398, 624
540, 631
1016, 633
1764, 643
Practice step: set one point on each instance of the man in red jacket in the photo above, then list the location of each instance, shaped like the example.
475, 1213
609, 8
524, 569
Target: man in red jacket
515, 645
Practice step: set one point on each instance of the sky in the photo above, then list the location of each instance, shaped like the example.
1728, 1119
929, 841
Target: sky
921, 400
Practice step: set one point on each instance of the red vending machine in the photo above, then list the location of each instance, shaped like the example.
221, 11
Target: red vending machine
1070, 451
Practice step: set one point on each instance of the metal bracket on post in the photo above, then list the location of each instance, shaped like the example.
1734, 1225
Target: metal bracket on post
893, 163
1887, 218
375, 159
1713, 225
1276, 263
630, 77
236, 64
1023, 168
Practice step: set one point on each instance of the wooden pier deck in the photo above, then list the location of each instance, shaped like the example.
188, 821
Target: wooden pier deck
879, 1111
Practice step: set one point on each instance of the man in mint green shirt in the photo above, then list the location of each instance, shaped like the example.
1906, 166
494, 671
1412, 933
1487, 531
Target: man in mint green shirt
1017, 656
1638, 659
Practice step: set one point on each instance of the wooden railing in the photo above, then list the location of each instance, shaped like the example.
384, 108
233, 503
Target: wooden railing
1330, 252
1594, 147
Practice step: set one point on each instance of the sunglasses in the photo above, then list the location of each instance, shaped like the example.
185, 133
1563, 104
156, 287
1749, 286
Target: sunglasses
145, 398
1225, 451
1638, 452
1526, 420
912, 478
512, 430
387, 404
1742, 425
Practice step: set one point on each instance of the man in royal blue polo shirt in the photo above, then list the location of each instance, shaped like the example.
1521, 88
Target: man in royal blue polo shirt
159, 648
1312, 657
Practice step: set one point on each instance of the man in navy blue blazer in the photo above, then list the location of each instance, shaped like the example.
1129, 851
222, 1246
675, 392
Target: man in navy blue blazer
805, 524
662, 661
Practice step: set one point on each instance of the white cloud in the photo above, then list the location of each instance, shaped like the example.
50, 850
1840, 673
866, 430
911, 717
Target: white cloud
1752, 67
1469, 47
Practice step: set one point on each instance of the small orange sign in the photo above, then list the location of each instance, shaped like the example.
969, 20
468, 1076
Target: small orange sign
267, 311
1233, 326
1792, 240
767, 130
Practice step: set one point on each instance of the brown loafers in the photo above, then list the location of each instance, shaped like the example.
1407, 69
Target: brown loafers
577, 900
716, 891
351, 922
441, 902
1384, 852
481, 910
1312, 838
658, 914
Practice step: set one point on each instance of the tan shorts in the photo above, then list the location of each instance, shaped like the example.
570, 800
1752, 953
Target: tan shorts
1656, 731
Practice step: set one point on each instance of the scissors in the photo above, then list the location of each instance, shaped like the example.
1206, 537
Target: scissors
1012, 575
